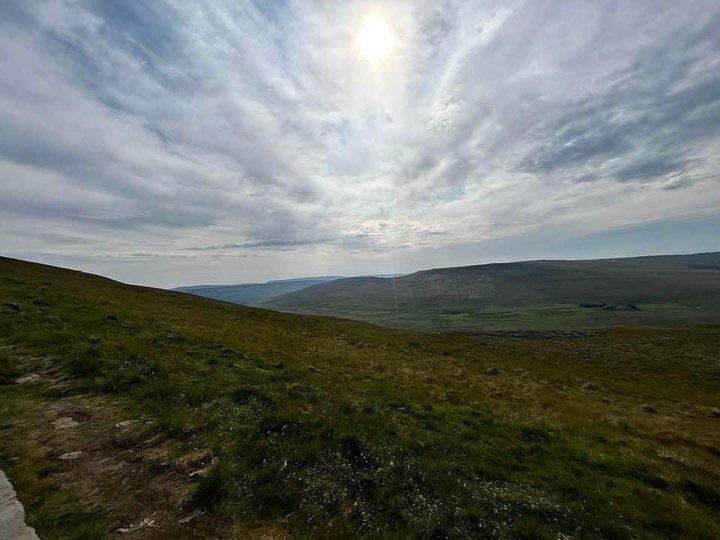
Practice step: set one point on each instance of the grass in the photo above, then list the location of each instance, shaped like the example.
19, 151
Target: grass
452, 315
321, 427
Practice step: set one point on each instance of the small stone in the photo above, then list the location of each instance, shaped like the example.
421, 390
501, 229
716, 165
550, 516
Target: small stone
606, 400
314, 369
70, 456
15, 307
200, 473
64, 423
715, 412
134, 527
125, 424
493, 371
588, 386
30, 378
187, 519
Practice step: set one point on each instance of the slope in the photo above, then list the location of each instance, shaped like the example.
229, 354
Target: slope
197, 418
249, 294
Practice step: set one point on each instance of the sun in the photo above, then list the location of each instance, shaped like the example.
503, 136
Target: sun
374, 41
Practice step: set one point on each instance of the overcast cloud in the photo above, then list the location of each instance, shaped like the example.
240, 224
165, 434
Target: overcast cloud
173, 142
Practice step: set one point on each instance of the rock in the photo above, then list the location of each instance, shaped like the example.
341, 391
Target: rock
588, 386
12, 514
200, 473
493, 371
314, 369
715, 412
648, 408
606, 400
64, 423
125, 424
70, 456
15, 307
187, 519
29, 378
135, 527
112, 318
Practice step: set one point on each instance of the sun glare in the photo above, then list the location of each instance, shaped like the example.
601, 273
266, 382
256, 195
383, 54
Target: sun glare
374, 40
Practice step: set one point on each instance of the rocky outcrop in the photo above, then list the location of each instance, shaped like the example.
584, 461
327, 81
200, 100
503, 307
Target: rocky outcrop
12, 514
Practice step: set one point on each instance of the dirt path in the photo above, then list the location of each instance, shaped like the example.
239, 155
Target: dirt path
109, 466
12, 514
115, 474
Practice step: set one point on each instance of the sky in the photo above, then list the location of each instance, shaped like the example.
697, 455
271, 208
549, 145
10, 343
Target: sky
174, 143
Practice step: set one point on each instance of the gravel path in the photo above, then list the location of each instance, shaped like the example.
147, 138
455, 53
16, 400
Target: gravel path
12, 514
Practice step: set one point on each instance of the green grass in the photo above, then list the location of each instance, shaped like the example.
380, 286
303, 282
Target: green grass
461, 316
331, 428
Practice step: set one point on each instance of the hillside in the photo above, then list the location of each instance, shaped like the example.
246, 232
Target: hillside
249, 294
673, 289
140, 413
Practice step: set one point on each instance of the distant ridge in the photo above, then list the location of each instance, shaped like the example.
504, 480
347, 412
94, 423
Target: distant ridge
249, 294
542, 294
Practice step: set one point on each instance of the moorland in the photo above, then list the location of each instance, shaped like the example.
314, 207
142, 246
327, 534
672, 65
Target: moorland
152, 413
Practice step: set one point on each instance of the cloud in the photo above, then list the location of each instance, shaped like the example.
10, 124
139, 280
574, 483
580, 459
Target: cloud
272, 243
180, 130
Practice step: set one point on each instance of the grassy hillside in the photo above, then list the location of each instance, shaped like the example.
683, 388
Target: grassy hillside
249, 294
679, 289
249, 423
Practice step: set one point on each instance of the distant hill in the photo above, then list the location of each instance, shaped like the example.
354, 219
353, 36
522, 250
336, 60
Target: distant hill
249, 294
668, 289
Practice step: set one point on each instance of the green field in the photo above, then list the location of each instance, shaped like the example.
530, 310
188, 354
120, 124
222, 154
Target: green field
258, 424
473, 319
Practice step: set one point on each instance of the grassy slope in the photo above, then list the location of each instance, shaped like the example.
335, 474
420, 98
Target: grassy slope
526, 295
335, 428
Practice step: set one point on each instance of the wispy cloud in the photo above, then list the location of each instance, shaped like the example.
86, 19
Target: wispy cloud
233, 128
